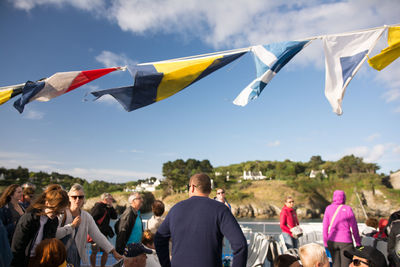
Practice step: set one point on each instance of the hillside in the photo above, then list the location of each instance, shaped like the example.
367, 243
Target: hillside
264, 199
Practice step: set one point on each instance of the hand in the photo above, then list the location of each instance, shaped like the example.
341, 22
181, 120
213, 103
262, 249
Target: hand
76, 222
116, 255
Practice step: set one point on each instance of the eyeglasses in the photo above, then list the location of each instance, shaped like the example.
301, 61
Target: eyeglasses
290, 201
80, 197
357, 262
220, 193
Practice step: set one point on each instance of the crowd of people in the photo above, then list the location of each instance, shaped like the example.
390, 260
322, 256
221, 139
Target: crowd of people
341, 238
52, 229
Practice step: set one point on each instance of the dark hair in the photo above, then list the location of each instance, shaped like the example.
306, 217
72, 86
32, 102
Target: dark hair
158, 207
285, 260
372, 222
202, 181
28, 191
148, 238
55, 196
49, 253
8, 192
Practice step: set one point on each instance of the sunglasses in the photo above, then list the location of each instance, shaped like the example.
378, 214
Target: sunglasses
80, 197
357, 262
220, 193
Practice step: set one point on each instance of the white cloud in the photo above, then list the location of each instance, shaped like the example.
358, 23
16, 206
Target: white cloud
373, 137
367, 153
136, 151
274, 144
36, 163
31, 114
397, 110
88, 5
110, 175
235, 22
396, 149
110, 59
392, 95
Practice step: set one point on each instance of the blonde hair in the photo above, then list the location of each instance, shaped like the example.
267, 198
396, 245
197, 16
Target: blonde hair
312, 253
148, 237
76, 187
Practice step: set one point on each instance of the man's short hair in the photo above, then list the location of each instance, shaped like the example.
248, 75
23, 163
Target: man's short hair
132, 197
312, 253
158, 207
202, 182
105, 196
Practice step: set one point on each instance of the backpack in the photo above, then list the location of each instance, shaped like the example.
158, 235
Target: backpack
394, 241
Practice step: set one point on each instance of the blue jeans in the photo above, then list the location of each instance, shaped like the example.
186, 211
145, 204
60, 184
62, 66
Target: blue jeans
290, 241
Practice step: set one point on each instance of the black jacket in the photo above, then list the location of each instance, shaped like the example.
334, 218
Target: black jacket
8, 220
98, 211
123, 228
25, 234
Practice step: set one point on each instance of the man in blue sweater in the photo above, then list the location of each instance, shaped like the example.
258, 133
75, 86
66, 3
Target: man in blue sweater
196, 227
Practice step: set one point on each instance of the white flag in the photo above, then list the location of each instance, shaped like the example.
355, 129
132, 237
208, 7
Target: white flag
344, 55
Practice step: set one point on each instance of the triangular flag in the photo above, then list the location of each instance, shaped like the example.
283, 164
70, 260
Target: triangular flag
390, 53
344, 55
58, 84
154, 82
269, 60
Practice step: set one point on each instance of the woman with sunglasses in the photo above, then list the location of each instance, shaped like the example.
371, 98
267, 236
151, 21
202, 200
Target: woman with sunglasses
288, 220
76, 224
38, 223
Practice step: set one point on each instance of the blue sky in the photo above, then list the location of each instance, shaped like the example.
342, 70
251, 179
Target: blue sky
290, 120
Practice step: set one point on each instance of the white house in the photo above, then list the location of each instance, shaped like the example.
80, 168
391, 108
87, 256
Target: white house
145, 186
249, 175
314, 174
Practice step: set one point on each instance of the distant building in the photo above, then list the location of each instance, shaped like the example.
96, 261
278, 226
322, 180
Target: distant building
314, 174
144, 186
249, 175
395, 180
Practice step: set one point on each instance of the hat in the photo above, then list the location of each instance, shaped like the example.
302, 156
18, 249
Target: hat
370, 253
136, 249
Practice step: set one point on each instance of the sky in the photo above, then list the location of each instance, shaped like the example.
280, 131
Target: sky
99, 140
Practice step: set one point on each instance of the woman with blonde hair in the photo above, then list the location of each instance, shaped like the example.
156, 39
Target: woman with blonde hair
148, 242
74, 227
10, 208
49, 253
38, 223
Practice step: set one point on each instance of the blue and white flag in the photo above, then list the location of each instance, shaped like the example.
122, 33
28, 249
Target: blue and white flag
269, 60
344, 55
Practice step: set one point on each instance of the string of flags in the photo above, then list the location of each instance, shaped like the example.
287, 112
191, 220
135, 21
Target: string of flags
344, 55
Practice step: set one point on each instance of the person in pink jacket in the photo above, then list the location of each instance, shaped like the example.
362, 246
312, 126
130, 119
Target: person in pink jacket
288, 220
339, 227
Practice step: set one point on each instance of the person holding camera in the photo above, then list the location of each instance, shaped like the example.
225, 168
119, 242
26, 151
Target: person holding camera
102, 212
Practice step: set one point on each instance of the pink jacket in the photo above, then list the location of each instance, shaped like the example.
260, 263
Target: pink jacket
344, 221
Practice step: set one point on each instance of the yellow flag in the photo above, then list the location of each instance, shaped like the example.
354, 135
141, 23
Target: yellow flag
5, 95
390, 53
